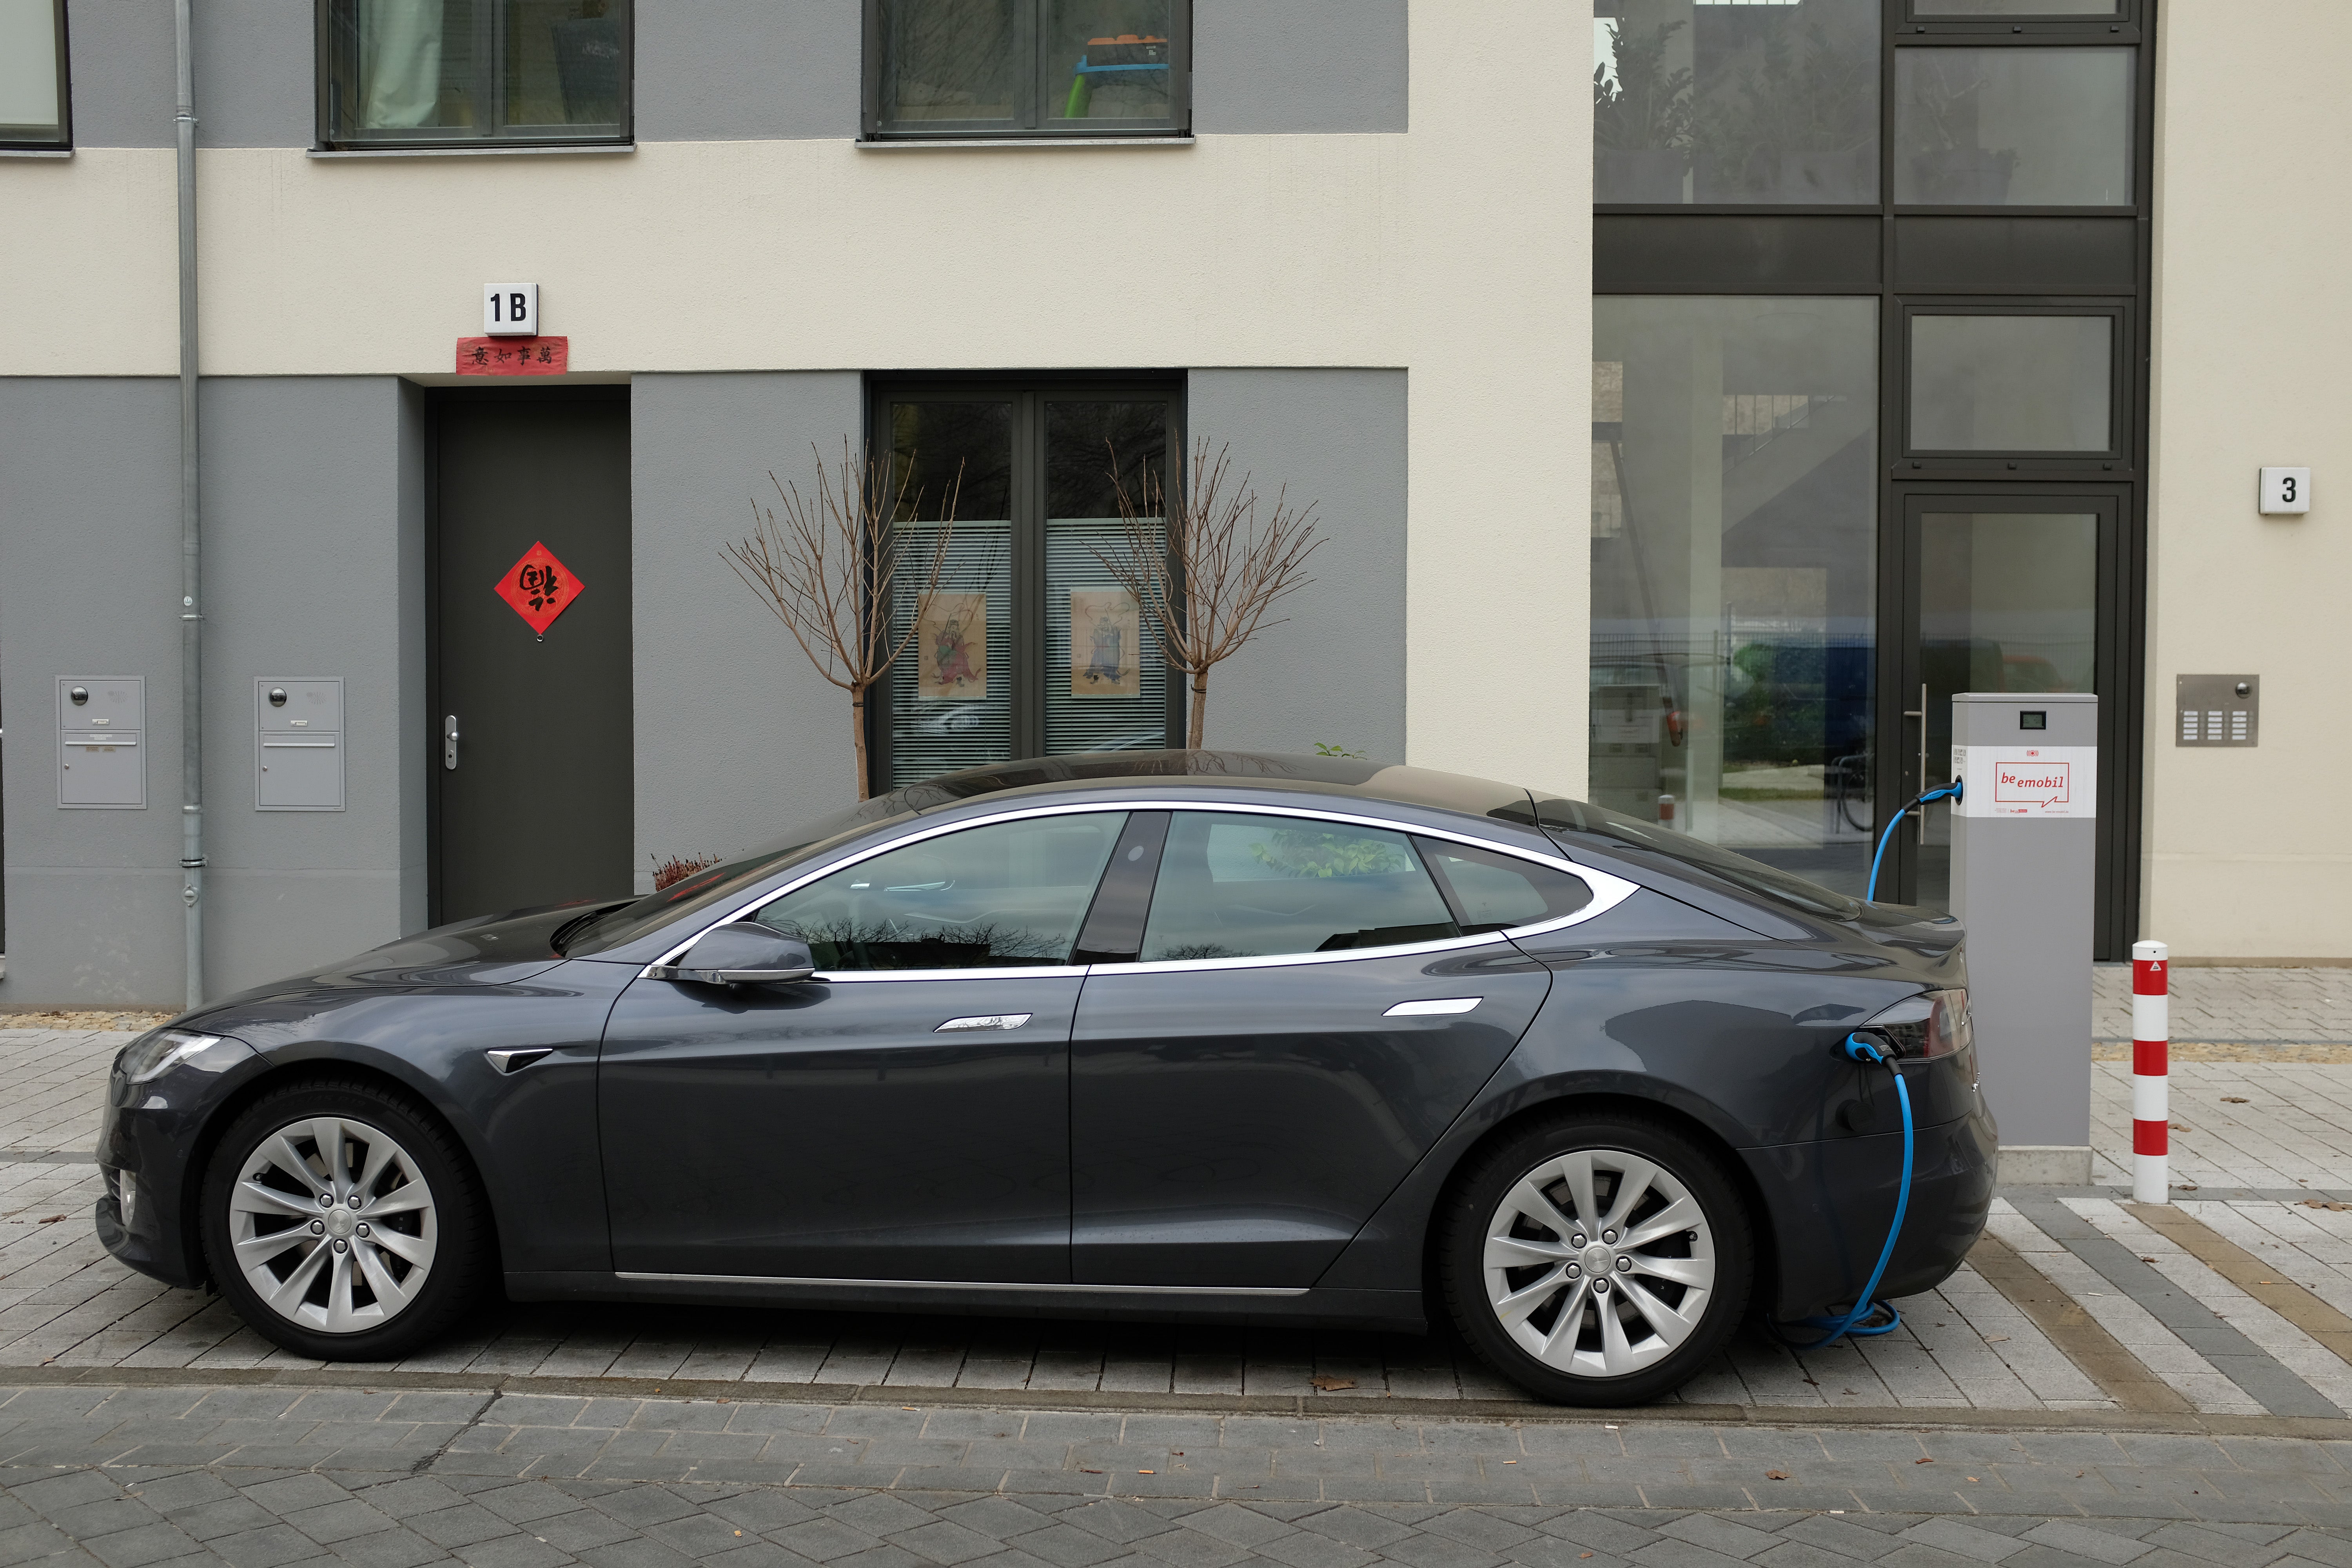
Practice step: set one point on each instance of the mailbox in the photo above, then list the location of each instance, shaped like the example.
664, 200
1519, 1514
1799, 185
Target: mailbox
298, 744
102, 743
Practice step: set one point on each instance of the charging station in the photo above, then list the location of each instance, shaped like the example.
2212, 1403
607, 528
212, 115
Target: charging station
2024, 841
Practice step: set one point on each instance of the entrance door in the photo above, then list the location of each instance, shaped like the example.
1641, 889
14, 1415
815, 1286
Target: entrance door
1997, 593
534, 782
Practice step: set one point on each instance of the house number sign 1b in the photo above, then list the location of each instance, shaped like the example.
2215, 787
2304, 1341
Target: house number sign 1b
510, 310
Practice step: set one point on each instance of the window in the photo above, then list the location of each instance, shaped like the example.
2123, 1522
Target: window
2013, 127
1489, 891
1026, 68
1238, 885
1028, 646
2012, 383
33, 73
425, 73
1009, 895
1759, 101
1734, 579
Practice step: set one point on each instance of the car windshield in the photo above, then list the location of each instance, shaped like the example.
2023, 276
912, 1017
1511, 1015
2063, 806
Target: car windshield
717, 884
1749, 876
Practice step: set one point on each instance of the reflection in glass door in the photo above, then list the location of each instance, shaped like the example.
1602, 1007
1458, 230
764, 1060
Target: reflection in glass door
2001, 593
1733, 578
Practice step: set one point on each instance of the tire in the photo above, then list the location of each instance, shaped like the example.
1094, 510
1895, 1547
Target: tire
1516, 1258
379, 1278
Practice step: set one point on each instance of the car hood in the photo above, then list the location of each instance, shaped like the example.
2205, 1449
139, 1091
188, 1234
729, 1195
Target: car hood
490, 949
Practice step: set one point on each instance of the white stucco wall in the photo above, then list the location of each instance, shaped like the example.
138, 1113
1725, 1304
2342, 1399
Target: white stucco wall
2247, 852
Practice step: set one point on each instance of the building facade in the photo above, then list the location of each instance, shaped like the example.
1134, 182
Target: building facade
1790, 251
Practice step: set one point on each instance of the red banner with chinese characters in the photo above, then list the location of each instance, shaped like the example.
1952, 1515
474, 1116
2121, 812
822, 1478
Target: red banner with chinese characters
513, 356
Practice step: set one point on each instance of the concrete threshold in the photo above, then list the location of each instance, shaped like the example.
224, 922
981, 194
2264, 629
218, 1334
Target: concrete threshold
1334, 1407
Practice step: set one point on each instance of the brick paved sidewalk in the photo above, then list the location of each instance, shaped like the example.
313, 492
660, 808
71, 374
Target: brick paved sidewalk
2311, 1007
257, 1477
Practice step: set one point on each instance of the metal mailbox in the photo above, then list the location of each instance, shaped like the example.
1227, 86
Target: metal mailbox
298, 744
102, 743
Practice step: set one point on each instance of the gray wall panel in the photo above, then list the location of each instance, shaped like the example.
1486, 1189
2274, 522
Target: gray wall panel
256, 68
743, 71
1300, 65
1335, 670
737, 737
121, 54
309, 571
90, 534
255, 65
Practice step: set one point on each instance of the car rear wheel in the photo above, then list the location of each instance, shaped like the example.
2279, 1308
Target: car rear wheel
342, 1222
1596, 1260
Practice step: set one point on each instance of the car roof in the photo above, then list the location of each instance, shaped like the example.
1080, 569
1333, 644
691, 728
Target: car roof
1349, 777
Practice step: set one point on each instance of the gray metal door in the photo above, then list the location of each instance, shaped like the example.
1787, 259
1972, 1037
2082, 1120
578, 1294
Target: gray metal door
533, 791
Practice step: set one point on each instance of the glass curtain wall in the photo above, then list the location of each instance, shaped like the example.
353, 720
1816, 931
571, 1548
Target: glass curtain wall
1715, 102
1734, 573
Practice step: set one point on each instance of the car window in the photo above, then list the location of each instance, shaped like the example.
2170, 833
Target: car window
1008, 894
1490, 890
1243, 886
725, 881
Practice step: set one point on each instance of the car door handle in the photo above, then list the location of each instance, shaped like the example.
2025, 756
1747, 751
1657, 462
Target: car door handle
984, 1021
1435, 1007
515, 1061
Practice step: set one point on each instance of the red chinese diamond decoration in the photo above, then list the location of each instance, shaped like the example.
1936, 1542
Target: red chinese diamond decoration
540, 588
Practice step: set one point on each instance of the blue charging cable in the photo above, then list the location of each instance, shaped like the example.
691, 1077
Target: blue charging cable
1950, 792
1861, 1049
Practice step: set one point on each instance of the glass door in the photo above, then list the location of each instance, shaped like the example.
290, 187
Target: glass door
2002, 592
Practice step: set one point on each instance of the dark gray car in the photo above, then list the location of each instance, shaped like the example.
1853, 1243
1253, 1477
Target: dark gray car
1200, 1035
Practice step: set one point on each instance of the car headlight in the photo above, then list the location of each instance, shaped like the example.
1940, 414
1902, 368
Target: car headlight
1933, 1024
154, 1054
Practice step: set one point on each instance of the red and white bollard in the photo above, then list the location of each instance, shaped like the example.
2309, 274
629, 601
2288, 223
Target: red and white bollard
2151, 1072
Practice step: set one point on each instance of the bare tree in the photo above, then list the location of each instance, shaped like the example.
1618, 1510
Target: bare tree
1200, 563
832, 568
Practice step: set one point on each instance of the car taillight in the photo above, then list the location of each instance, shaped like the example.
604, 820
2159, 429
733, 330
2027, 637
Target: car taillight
1933, 1024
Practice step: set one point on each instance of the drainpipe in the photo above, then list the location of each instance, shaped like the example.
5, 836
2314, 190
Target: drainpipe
192, 533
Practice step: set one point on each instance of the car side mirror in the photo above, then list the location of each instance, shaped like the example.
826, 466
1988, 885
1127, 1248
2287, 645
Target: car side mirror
743, 953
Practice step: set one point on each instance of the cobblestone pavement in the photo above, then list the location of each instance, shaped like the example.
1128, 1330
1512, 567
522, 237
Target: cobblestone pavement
255, 1478
2310, 1006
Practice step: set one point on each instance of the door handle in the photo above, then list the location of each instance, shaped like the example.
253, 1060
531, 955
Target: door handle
449, 742
984, 1021
1435, 1007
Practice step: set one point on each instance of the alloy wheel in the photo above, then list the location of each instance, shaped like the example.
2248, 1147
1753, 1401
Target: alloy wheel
1599, 1262
333, 1225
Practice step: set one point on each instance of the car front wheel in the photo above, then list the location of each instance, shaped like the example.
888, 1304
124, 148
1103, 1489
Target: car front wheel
1596, 1260
343, 1223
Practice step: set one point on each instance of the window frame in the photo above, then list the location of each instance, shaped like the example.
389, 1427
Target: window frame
464, 139
2020, 35
63, 141
1025, 553
2007, 463
1609, 891
872, 129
